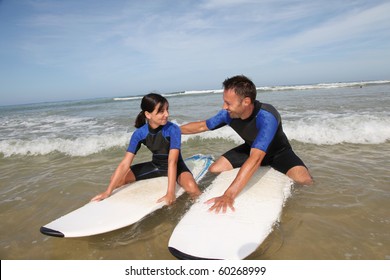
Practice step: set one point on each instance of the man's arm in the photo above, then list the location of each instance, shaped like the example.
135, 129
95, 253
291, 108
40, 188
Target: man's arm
194, 127
243, 176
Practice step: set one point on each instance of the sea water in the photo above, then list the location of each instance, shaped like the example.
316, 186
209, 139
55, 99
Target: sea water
54, 157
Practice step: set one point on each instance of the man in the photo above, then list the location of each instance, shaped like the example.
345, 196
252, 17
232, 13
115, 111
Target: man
260, 126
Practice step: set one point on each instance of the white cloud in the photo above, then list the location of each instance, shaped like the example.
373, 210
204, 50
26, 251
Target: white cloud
128, 43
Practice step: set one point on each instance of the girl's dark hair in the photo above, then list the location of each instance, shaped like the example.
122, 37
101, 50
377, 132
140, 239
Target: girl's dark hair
148, 104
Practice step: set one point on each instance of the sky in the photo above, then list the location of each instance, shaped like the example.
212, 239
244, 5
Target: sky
53, 50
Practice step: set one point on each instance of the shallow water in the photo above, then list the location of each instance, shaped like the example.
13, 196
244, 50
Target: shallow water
344, 215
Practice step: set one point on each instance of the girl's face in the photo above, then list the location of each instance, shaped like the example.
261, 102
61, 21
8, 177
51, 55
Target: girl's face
159, 116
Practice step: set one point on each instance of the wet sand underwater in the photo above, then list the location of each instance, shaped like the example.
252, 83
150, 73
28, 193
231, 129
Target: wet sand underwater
345, 215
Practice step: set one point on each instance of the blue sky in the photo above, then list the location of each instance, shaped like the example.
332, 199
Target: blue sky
53, 50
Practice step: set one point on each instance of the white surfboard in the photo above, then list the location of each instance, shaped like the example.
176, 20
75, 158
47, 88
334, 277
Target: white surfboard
127, 205
202, 234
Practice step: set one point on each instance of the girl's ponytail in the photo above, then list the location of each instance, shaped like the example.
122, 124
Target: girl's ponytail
140, 120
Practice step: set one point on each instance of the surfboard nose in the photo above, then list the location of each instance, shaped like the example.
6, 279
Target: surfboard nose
183, 256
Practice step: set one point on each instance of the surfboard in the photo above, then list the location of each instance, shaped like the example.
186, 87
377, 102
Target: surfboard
127, 205
202, 234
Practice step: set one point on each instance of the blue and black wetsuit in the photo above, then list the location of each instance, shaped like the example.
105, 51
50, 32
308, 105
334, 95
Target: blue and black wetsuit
262, 130
159, 141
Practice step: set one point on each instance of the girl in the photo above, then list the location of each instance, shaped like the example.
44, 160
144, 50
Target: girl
163, 139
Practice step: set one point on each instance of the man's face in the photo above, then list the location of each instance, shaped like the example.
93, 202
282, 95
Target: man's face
232, 103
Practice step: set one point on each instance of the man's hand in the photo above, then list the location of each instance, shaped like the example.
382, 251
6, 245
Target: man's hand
221, 203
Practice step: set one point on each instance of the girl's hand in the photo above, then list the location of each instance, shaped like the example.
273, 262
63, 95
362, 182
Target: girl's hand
168, 198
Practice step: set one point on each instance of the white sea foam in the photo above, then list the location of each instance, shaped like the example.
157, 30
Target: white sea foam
181, 93
271, 88
323, 86
323, 130
73, 136
81, 129
222, 133
328, 130
319, 130
82, 146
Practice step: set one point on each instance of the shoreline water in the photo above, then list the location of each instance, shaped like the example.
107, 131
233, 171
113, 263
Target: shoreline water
260, 89
55, 157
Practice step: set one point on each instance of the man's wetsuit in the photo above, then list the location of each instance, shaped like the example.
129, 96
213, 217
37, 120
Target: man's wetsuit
159, 141
262, 130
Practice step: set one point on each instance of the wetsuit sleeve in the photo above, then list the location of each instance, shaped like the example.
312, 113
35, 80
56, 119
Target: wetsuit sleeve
135, 141
220, 119
175, 137
267, 125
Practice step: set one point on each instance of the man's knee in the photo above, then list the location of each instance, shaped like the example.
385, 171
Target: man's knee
214, 169
300, 175
221, 165
306, 180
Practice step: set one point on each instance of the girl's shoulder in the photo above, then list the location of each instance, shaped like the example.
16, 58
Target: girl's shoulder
171, 127
143, 130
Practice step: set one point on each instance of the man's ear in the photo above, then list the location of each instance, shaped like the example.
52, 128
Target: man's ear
247, 101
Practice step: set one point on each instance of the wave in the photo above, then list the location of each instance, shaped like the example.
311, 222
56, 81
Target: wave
270, 88
318, 130
167, 95
79, 147
328, 130
324, 86
127, 98
323, 131
43, 133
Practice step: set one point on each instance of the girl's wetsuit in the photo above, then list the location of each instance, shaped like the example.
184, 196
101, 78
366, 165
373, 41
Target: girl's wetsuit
262, 130
159, 141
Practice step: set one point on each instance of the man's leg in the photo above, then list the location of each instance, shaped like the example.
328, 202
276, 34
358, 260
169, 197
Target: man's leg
300, 175
231, 159
220, 165
290, 164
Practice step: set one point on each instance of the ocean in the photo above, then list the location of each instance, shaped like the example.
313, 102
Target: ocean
54, 157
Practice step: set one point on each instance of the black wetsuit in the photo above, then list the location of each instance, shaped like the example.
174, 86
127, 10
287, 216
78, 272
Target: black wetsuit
262, 130
159, 141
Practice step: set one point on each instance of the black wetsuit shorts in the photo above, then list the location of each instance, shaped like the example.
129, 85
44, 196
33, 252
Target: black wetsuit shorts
282, 161
147, 170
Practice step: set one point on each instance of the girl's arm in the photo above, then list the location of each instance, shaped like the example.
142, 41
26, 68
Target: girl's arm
118, 178
170, 196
